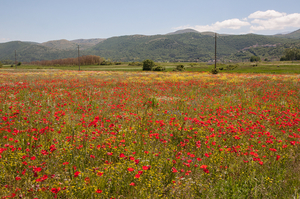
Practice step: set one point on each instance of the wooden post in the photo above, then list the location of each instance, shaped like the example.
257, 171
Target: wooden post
215, 50
16, 58
78, 59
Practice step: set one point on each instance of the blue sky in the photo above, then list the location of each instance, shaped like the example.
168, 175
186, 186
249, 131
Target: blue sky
44, 20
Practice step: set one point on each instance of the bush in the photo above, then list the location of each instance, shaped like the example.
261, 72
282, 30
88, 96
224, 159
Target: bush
135, 64
231, 67
283, 58
19, 64
148, 64
106, 63
158, 68
254, 58
1, 65
180, 67
118, 63
214, 71
193, 64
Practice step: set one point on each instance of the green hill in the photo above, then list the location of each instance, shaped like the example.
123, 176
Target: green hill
292, 35
27, 52
188, 46
62, 44
178, 47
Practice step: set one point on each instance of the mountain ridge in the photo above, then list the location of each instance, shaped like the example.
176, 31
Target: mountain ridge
185, 45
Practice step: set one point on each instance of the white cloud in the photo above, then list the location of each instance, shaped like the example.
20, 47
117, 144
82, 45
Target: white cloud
227, 24
259, 21
279, 22
266, 14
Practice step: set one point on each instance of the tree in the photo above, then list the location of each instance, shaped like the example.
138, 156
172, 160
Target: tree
291, 54
254, 58
148, 64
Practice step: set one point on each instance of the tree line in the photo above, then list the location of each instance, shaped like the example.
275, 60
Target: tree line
84, 60
291, 54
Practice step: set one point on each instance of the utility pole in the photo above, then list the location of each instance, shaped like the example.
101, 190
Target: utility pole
215, 50
16, 58
78, 59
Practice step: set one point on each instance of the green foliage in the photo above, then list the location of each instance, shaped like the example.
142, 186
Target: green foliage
135, 64
214, 71
193, 64
180, 67
1, 65
117, 63
148, 64
7, 62
254, 58
291, 54
106, 62
189, 46
19, 64
159, 68
231, 67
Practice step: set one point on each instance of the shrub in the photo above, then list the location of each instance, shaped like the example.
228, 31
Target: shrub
158, 68
214, 71
118, 63
148, 64
231, 67
254, 58
180, 67
193, 64
1, 65
135, 64
19, 64
106, 63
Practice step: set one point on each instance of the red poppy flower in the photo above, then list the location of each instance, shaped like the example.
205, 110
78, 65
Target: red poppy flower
76, 174
130, 169
99, 191
137, 176
55, 190
99, 174
278, 156
145, 168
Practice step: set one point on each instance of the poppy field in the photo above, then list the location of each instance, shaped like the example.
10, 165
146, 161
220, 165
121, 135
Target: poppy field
70, 134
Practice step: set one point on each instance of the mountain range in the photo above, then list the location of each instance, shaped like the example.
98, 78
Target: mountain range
182, 45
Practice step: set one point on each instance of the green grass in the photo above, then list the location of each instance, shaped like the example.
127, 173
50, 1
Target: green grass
245, 67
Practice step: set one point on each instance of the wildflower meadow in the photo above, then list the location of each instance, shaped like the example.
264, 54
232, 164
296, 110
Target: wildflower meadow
70, 134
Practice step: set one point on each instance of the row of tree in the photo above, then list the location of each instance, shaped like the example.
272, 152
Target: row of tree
84, 60
291, 54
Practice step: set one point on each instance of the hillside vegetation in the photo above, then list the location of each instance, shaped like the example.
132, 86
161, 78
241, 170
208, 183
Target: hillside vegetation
179, 46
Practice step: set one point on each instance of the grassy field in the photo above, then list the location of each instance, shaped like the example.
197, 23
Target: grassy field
115, 134
245, 67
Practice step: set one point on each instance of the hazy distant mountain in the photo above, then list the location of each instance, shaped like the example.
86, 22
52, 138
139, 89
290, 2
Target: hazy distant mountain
292, 35
185, 45
86, 43
183, 31
62, 44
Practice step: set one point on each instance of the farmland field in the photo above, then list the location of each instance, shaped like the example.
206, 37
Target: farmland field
70, 134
